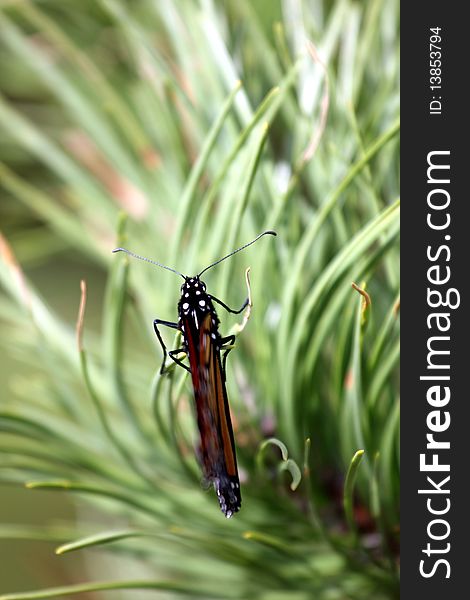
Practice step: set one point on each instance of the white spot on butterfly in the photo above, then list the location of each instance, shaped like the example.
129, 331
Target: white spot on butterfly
186, 295
202, 302
185, 306
198, 292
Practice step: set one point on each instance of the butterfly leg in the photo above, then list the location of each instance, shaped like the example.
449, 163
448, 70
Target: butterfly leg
228, 309
226, 341
171, 353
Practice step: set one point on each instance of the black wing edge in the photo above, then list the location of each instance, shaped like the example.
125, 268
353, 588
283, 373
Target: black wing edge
228, 492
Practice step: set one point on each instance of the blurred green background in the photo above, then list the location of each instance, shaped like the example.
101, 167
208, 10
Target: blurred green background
181, 130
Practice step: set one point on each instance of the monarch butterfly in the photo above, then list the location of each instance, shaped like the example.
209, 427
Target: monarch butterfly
207, 352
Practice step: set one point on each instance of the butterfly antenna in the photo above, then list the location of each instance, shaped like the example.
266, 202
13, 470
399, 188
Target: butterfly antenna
154, 262
237, 250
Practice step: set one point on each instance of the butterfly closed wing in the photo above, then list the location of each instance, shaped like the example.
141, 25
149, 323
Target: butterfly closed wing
203, 344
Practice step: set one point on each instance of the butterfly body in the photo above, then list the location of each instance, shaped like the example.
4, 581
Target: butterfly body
203, 344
